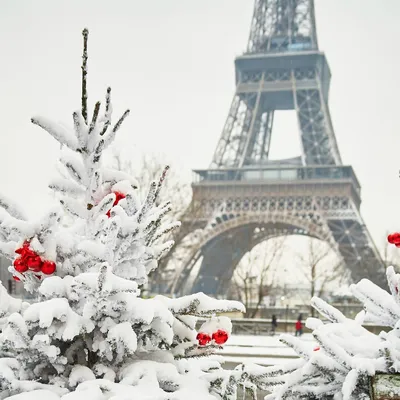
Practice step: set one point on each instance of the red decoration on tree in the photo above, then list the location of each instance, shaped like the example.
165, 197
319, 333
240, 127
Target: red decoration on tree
16, 278
203, 338
220, 337
29, 260
316, 348
118, 196
394, 238
48, 267
20, 266
34, 263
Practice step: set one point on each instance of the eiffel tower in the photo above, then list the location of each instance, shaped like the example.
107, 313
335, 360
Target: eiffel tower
244, 197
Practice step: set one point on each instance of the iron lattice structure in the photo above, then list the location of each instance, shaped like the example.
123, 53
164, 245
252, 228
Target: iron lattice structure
249, 198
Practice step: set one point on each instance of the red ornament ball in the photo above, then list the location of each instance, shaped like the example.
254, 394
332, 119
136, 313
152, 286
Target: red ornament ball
48, 267
20, 265
220, 337
118, 196
34, 263
394, 238
203, 338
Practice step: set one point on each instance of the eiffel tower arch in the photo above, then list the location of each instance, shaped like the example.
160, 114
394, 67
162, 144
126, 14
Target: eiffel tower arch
244, 197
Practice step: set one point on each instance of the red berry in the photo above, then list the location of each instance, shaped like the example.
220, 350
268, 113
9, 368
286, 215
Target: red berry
16, 278
34, 263
48, 267
220, 337
203, 338
394, 238
316, 348
20, 265
118, 196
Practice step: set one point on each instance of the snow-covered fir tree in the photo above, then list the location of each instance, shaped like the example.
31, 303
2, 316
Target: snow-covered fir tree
89, 335
347, 355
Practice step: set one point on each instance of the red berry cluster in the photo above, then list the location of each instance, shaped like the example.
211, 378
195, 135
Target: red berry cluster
394, 238
219, 337
118, 196
31, 261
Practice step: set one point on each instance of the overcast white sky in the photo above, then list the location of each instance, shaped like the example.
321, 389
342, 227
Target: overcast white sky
171, 63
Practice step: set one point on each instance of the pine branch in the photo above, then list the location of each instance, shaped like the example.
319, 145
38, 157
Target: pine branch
149, 202
80, 134
161, 181
107, 112
11, 208
85, 34
58, 132
110, 138
94, 118
97, 152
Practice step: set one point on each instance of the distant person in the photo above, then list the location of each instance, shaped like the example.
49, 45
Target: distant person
299, 326
274, 324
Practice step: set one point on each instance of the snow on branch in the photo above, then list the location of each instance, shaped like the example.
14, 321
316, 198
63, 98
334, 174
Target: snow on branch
200, 305
59, 133
58, 318
9, 305
12, 208
75, 167
381, 307
329, 312
111, 136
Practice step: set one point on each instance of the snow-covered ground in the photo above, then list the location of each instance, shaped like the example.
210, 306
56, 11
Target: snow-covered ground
263, 350
260, 341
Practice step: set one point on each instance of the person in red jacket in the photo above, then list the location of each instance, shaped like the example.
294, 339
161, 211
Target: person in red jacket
299, 326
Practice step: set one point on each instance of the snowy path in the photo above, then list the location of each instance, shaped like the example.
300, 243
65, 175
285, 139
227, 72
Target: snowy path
263, 350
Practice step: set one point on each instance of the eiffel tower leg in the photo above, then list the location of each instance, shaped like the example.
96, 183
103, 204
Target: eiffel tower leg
357, 249
246, 136
317, 138
261, 152
234, 131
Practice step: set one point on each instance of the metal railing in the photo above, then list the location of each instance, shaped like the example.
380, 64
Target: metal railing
260, 326
274, 174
